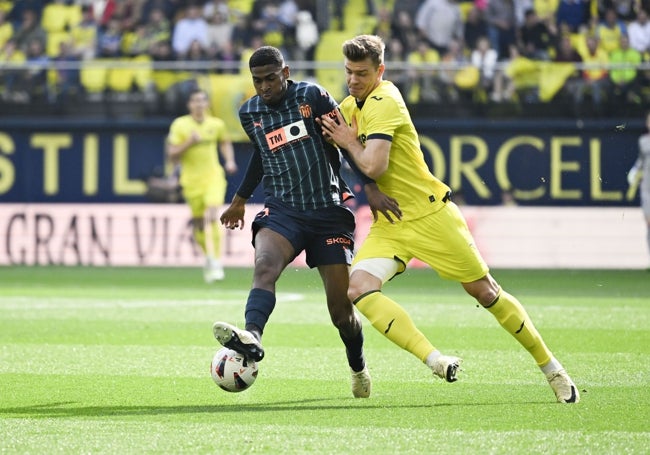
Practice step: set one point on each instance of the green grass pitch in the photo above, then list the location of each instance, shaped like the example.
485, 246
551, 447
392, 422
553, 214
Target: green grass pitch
116, 360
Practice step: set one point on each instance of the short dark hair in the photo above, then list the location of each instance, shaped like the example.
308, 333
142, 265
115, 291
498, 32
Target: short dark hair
365, 46
195, 91
266, 55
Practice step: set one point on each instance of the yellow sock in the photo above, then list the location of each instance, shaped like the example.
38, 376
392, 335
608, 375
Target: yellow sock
513, 317
394, 323
199, 238
215, 235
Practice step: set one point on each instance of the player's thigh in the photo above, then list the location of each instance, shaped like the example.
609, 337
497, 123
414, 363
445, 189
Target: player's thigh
443, 241
273, 252
385, 242
283, 223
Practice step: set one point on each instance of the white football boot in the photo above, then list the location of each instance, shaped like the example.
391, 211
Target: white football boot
213, 271
238, 340
446, 367
361, 383
564, 388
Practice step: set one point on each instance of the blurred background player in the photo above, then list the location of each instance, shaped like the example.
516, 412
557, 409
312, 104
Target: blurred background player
641, 170
192, 143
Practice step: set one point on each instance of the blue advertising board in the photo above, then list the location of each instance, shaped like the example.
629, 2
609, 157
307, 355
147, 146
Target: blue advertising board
536, 162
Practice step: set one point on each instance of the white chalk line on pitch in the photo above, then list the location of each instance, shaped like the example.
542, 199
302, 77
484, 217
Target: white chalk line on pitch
44, 303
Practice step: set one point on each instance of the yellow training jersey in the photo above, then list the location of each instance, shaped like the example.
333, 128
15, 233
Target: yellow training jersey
200, 163
384, 115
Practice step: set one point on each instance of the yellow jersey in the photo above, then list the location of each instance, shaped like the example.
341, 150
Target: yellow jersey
200, 162
384, 115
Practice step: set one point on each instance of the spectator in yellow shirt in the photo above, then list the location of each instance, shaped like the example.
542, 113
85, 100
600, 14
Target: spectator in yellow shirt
610, 31
624, 79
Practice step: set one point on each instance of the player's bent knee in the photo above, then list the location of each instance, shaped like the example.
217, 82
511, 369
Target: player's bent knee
488, 298
267, 270
354, 292
485, 291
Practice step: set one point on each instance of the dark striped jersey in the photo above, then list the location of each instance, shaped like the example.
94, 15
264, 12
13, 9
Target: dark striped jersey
291, 157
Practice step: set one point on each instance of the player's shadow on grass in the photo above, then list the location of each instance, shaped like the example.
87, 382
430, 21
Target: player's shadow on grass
72, 409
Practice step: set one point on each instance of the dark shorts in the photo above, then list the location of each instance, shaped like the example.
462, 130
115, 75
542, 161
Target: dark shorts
326, 235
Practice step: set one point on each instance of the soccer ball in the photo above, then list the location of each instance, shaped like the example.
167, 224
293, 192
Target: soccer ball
232, 371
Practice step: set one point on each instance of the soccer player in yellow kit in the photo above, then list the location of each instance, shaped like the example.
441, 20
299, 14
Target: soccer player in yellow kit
192, 143
375, 127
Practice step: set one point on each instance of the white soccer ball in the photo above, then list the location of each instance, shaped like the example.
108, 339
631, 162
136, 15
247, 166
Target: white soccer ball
232, 371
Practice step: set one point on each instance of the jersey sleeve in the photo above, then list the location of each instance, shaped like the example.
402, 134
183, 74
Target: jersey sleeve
246, 121
254, 170
322, 101
383, 117
253, 176
176, 134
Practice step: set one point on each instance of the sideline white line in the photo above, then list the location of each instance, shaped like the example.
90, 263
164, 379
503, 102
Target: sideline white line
44, 303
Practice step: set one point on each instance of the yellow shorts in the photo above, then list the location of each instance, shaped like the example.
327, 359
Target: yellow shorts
199, 198
442, 240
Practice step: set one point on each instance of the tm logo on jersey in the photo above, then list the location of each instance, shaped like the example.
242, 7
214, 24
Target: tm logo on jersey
289, 133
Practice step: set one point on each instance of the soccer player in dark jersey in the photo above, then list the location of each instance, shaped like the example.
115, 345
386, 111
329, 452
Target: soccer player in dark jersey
375, 127
303, 208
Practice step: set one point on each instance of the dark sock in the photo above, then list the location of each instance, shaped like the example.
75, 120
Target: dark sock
259, 307
354, 351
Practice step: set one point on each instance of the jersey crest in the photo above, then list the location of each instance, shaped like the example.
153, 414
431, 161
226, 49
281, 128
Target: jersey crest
305, 110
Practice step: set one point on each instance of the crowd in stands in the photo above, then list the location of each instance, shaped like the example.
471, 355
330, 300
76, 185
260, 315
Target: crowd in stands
438, 51
510, 46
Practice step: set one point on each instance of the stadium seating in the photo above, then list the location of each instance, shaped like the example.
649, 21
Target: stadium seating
164, 79
329, 52
142, 72
357, 19
120, 78
93, 77
54, 40
532, 82
58, 17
